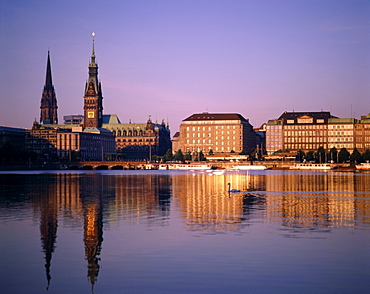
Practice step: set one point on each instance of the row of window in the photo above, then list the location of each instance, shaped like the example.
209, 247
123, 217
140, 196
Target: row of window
209, 128
129, 133
135, 140
304, 139
200, 135
304, 133
207, 149
210, 142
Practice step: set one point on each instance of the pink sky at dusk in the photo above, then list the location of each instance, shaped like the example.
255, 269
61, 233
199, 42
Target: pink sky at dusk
170, 59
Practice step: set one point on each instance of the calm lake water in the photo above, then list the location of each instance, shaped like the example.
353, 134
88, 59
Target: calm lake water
181, 232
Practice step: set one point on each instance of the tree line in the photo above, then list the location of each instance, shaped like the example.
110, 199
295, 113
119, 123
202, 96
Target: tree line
333, 155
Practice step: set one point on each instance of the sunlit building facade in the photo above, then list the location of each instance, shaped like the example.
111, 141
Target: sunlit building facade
362, 133
219, 132
295, 131
139, 141
308, 131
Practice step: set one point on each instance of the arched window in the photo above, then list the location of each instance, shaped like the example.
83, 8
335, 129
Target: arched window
135, 133
130, 133
119, 134
141, 133
125, 133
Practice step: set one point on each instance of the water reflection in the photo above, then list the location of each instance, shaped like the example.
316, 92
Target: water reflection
305, 202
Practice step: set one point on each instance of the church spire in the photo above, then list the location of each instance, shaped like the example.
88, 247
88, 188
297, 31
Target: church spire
48, 80
49, 114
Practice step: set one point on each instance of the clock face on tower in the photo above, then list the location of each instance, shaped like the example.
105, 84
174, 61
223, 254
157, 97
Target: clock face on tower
90, 114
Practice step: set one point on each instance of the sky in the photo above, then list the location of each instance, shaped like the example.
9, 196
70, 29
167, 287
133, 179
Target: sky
170, 59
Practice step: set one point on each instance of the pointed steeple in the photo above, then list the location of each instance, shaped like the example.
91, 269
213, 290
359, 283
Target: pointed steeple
49, 113
93, 106
48, 80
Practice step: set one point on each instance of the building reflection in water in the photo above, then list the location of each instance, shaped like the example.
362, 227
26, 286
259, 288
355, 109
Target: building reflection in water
87, 198
299, 200
303, 201
51, 195
48, 222
316, 200
143, 197
92, 195
206, 205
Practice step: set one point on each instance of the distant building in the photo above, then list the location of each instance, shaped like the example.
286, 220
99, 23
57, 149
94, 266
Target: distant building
362, 133
88, 143
219, 132
73, 119
13, 136
307, 131
41, 140
260, 139
139, 141
295, 131
176, 142
49, 108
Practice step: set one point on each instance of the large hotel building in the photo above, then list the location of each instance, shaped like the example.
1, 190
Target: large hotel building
308, 131
219, 132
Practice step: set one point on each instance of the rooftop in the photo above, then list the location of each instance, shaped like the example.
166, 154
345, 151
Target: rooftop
318, 114
215, 116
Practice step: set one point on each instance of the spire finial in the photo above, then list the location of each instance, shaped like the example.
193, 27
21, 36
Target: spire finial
93, 49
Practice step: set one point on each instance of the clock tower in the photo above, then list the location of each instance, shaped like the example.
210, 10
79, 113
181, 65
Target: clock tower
93, 99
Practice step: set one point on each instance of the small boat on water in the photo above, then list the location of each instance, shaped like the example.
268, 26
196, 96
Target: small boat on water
363, 166
312, 166
249, 167
185, 167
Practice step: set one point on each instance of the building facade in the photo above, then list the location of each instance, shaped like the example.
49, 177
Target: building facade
84, 143
362, 133
219, 132
139, 141
41, 140
49, 108
88, 143
308, 131
13, 136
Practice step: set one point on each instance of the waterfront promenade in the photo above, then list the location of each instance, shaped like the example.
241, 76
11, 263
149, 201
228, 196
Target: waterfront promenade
142, 165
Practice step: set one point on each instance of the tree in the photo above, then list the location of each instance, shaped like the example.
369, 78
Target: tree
243, 152
321, 154
300, 155
188, 156
179, 156
155, 158
356, 156
333, 154
168, 156
343, 155
366, 155
201, 156
309, 156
